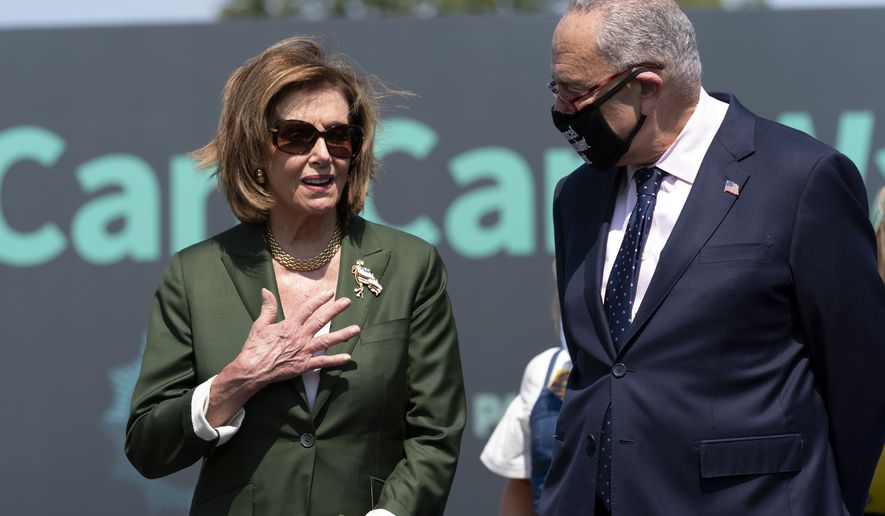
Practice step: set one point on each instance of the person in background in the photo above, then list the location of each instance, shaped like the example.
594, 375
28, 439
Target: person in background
719, 288
877, 489
880, 232
307, 357
520, 446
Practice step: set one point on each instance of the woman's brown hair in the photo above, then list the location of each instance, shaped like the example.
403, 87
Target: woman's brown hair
242, 143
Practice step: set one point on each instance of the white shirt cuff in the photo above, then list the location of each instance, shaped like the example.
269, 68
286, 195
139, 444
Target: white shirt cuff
379, 512
202, 428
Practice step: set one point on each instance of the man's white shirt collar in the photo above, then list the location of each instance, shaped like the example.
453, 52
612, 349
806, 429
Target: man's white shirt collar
683, 158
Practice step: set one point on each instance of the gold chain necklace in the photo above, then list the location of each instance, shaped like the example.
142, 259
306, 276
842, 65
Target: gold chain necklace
308, 264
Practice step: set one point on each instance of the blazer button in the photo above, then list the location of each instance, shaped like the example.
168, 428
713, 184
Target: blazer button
619, 370
307, 440
591, 445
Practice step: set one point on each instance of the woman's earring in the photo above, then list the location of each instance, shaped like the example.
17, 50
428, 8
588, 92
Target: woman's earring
259, 176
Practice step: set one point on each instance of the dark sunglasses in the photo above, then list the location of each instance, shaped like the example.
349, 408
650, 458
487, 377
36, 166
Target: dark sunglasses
298, 137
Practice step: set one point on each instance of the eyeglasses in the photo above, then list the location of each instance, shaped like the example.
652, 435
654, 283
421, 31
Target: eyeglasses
298, 137
572, 98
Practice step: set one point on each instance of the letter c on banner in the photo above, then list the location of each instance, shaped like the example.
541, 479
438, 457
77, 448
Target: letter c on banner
41, 245
417, 140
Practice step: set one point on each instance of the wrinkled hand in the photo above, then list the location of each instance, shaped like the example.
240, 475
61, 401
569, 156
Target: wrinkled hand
274, 352
280, 351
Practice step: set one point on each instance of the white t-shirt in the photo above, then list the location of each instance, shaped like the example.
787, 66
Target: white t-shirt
508, 451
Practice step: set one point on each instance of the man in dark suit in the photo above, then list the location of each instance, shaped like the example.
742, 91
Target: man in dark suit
719, 292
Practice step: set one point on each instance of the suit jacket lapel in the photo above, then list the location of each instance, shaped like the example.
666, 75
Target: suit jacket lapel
595, 259
357, 243
250, 268
706, 207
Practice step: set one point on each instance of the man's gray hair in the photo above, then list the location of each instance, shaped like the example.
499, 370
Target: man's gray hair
647, 31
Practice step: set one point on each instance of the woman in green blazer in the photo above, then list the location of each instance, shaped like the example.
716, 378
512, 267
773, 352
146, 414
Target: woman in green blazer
299, 403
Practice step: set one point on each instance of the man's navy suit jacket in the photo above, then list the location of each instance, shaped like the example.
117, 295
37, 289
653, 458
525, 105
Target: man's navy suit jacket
751, 380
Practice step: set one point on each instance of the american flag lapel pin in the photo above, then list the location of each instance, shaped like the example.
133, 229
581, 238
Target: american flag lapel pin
732, 188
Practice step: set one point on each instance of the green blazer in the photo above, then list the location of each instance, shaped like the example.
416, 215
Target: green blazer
385, 429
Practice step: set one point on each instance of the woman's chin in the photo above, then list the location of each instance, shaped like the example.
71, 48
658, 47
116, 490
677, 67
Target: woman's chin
310, 208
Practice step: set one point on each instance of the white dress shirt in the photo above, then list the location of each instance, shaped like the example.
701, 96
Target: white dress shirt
681, 163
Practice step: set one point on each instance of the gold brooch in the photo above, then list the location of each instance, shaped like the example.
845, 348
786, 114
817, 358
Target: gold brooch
365, 278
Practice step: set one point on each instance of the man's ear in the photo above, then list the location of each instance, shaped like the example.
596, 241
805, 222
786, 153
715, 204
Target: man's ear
651, 85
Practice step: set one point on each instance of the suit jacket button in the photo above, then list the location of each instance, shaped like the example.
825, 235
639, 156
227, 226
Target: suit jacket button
619, 370
307, 440
591, 445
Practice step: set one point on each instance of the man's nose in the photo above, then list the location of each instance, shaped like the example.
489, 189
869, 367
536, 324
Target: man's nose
562, 106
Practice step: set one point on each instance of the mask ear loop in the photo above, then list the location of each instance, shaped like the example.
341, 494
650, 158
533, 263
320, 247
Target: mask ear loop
635, 130
620, 84
623, 82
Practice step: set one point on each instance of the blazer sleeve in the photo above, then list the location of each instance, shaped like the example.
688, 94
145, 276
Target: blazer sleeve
841, 310
420, 483
160, 437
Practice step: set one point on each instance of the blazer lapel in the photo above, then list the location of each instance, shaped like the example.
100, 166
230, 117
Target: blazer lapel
249, 266
358, 243
706, 207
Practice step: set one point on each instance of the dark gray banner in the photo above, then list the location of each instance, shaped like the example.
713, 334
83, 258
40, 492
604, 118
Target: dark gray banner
96, 192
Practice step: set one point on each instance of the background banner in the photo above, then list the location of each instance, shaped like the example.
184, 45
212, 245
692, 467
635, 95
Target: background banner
97, 191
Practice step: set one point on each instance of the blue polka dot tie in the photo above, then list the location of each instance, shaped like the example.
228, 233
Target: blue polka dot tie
619, 293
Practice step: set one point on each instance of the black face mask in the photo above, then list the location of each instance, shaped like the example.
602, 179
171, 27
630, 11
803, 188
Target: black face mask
591, 136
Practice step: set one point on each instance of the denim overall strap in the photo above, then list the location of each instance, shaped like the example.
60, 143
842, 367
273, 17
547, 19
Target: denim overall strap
542, 423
